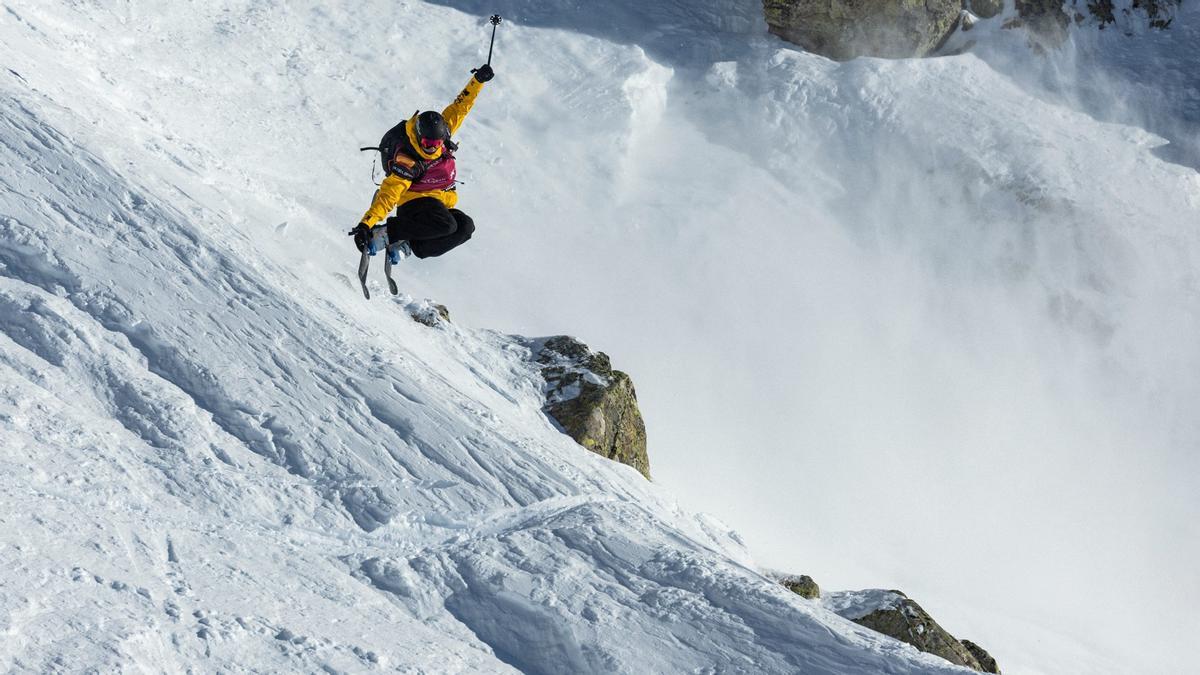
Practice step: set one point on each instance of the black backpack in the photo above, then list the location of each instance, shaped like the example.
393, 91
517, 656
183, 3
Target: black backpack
388, 144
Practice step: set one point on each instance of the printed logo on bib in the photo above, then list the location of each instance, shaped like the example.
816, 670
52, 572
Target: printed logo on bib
404, 166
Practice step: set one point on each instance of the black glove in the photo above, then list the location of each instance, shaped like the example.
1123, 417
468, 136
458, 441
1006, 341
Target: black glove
361, 234
484, 73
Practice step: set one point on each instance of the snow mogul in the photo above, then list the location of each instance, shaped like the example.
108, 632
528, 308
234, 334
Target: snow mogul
419, 184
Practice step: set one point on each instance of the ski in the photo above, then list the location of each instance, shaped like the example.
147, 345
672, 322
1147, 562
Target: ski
378, 242
387, 272
363, 264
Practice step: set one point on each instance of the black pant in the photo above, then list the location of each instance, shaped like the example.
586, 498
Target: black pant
430, 228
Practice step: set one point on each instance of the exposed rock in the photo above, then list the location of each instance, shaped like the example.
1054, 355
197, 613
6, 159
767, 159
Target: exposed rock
1102, 11
894, 614
1149, 13
844, 29
985, 9
986, 662
594, 404
800, 584
1159, 13
429, 313
1045, 20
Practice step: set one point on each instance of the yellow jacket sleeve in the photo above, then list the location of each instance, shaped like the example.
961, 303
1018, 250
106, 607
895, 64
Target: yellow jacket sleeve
456, 112
386, 198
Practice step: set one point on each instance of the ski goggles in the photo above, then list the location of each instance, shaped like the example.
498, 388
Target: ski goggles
431, 143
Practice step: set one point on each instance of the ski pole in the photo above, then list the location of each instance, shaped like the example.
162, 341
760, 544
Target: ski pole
495, 19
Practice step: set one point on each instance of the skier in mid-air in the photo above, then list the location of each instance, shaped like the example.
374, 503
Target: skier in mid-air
419, 183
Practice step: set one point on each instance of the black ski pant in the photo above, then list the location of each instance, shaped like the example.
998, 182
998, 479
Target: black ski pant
430, 228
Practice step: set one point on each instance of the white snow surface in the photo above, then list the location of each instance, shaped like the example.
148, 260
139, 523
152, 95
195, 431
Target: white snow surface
215, 461
872, 309
857, 604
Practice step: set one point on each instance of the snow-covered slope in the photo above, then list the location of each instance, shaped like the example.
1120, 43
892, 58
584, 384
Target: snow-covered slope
207, 465
211, 461
902, 278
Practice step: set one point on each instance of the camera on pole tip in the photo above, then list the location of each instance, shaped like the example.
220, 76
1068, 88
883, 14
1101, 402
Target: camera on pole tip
495, 21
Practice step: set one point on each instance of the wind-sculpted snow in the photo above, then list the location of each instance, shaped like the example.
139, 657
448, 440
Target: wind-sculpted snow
522, 581
205, 467
915, 324
264, 369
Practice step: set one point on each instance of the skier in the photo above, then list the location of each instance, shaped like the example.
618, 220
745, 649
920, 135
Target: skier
418, 160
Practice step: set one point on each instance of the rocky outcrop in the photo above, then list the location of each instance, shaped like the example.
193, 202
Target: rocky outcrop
800, 584
894, 614
844, 29
429, 313
984, 9
1045, 20
1149, 13
908, 622
986, 663
1159, 13
591, 402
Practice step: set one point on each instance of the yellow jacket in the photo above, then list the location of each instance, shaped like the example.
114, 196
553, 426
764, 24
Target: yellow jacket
393, 191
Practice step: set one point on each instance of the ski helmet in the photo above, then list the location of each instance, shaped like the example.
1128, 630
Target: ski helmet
432, 129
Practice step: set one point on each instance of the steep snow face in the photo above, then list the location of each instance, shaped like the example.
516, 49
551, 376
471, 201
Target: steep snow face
205, 467
921, 324
216, 455
925, 325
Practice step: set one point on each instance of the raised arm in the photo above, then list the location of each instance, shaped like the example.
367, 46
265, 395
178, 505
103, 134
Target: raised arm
456, 112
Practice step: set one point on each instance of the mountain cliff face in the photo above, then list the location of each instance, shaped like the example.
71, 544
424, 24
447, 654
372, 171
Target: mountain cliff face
844, 29
903, 29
